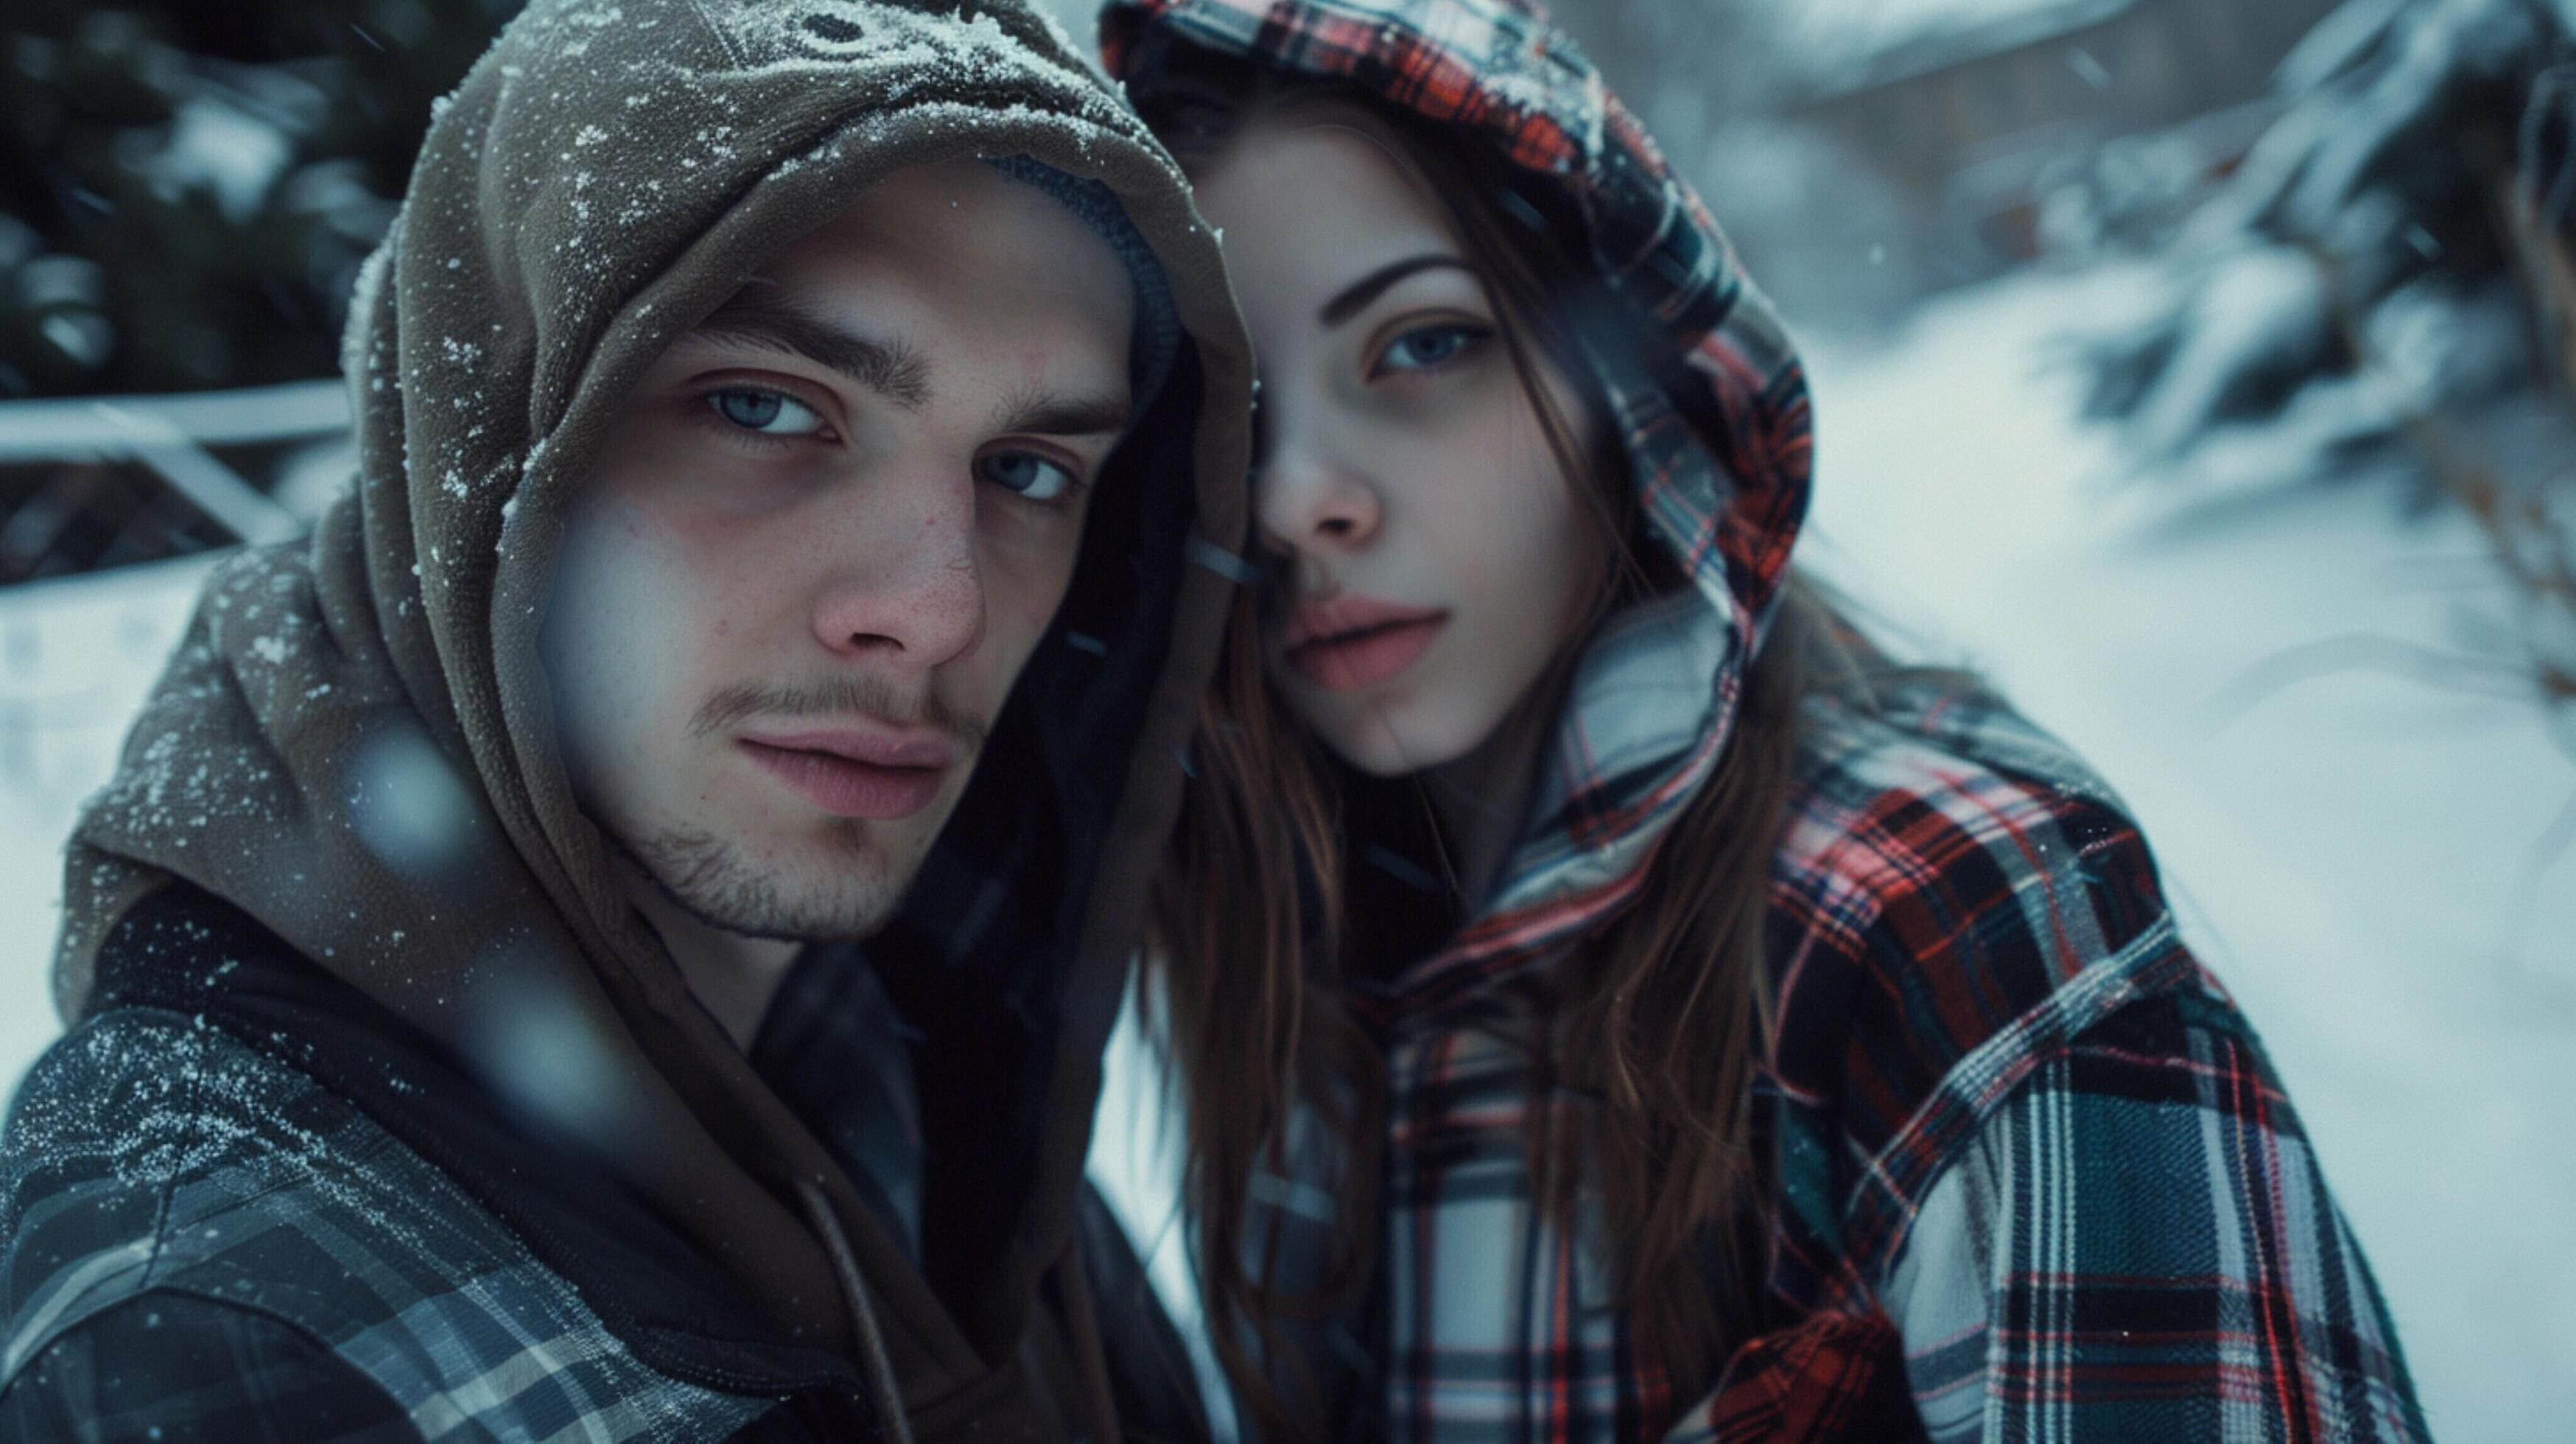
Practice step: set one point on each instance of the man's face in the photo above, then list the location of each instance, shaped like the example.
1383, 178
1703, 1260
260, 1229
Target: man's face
826, 532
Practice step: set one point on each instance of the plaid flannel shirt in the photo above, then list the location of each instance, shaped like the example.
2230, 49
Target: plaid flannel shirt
197, 1241
2030, 1176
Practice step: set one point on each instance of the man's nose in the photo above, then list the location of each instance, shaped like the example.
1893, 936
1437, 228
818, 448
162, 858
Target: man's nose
902, 588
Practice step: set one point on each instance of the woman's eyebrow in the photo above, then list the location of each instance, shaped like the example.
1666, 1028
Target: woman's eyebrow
1355, 297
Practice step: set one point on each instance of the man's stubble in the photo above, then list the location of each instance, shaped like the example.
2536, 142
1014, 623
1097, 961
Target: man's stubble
712, 880
854, 875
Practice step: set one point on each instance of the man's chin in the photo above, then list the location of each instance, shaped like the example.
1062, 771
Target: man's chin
843, 890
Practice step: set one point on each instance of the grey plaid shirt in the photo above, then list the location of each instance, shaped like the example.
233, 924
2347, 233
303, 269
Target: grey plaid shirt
203, 1243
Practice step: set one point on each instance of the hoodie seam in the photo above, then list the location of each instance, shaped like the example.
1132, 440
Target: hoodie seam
724, 38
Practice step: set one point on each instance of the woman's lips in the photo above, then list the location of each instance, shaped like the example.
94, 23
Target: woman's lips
1351, 642
855, 775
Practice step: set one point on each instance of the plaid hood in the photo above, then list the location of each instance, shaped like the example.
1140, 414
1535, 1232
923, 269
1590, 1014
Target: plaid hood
1713, 416
354, 746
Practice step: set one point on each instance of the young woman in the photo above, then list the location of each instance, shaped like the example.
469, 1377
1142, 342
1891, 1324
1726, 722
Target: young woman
1612, 1001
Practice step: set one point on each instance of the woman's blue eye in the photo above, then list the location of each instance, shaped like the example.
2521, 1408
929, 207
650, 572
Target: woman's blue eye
771, 413
1426, 347
1032, 476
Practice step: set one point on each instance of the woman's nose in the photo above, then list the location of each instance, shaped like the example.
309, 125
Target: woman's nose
1308, 502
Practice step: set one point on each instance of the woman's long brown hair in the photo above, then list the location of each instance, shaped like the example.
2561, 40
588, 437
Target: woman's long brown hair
1643, 1086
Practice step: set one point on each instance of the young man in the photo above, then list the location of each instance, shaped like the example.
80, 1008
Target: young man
786, 432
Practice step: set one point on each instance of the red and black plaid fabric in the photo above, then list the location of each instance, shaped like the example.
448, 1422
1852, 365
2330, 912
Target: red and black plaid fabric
2029, 1174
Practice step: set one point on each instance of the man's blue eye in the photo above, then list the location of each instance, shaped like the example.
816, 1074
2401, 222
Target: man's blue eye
1425, 347
770, 413
1032, 476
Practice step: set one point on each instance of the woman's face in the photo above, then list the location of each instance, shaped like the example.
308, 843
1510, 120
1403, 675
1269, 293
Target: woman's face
1404, 471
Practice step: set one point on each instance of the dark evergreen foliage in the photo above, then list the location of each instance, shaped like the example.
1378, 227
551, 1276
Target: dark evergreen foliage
187, 188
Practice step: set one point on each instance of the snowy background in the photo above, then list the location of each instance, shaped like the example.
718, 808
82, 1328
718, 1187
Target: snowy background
2146, 390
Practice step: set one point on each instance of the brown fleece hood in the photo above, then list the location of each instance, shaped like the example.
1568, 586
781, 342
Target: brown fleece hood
354, 744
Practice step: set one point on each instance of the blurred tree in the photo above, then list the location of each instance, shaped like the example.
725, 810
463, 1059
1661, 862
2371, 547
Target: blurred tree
186, 189
2393, 269
2367, 222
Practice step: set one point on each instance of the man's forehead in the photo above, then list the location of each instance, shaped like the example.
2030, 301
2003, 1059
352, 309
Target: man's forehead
960, 212
933, 245
827, 316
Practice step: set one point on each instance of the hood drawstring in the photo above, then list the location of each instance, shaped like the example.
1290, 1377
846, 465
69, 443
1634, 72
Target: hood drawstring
891, 1424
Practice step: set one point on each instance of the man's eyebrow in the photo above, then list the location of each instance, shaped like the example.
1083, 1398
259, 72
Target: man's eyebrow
1355, 297
1059, 415
891, 368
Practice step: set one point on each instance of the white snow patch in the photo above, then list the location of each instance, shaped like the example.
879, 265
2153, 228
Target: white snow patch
234, 155
1136, 1160
1848, 43
76, 658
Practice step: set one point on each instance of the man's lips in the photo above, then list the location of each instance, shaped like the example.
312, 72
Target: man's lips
1348, 642
856, 774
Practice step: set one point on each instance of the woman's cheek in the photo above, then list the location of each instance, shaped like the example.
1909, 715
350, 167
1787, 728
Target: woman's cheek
1518, 516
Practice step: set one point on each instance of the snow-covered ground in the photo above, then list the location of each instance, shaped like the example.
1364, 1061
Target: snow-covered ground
2352, 848
76, 657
